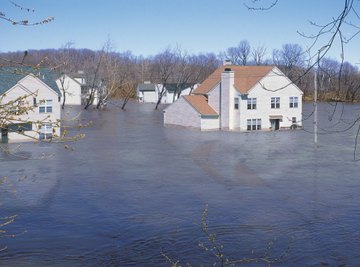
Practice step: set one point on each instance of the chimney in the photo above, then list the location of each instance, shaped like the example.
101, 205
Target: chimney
227, 99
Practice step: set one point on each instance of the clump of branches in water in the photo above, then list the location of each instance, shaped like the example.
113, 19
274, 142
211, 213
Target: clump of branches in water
214, 247
3, 223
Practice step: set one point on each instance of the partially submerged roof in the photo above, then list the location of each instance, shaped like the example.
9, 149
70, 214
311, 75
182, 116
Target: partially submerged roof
172, 87
10, 76
146, 87
246, 77
199, 103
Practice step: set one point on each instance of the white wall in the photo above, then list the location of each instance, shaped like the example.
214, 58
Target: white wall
181, 113
273, 81
210, 124
214, 98
149, 97
72, 90
33, 87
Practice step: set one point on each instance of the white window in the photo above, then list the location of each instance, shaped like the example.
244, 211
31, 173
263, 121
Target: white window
236, 103
253, 124
275, 102
294, 102
46, 131
45, 106
251, 103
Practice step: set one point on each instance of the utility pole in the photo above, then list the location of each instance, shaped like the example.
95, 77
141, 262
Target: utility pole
315, 109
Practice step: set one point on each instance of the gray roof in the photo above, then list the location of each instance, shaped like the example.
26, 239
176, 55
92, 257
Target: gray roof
170, 87
146, 87
10, 76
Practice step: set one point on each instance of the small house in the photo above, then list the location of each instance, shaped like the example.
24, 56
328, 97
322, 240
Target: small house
148, 92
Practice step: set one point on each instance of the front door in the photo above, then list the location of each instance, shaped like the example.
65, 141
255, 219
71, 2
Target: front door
4, 135
275, 124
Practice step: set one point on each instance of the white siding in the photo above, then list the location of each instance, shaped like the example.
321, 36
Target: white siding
32, 87
181, 113
168, 98
153, 96
186, 91
214, 98
72, 90
236, 112
149, 97
209, 124
263, 109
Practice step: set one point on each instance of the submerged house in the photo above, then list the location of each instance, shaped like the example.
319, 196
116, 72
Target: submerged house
148, 92
240, 98
70, 89
75, 90
29, 104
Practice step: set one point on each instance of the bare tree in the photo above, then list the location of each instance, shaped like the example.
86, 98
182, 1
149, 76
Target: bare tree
258, 55
291, 60
163, 68
62, 66
182, 74
244, 49
93, 75
120, 77
350, 83
239, 55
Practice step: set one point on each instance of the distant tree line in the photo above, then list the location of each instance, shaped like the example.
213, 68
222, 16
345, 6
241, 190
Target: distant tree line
121, 72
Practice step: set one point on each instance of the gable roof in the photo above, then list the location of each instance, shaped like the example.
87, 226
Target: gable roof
10, 76
64, 75
246, 77
199, 103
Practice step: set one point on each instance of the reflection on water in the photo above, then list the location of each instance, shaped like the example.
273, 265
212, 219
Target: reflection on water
133, 188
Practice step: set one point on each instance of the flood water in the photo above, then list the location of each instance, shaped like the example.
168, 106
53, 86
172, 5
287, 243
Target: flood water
133, 189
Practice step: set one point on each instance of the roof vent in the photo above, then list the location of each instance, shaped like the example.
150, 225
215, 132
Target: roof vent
227, 62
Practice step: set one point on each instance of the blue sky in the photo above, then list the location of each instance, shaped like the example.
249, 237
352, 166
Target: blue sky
147, 27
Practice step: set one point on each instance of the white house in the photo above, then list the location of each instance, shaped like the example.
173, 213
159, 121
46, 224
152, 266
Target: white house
70, 89
150, 92
29, 104
75, 90
242, 98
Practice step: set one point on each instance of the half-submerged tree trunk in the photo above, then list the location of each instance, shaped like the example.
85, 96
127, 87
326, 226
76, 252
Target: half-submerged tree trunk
161, 94
90, 99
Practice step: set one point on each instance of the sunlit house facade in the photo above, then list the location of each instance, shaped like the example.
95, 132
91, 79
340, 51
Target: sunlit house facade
240, 98
29, 105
